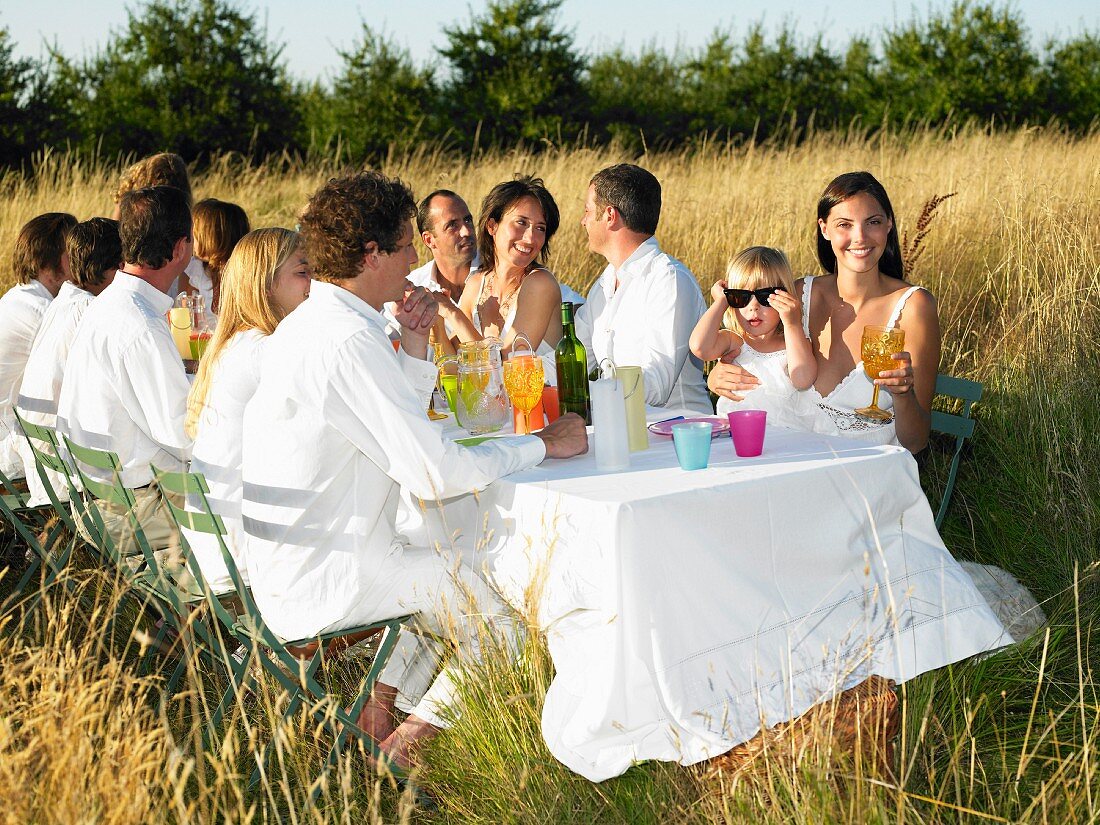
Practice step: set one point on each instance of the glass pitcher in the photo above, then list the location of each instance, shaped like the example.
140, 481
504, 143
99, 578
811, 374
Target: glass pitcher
179, 322
202, 328
481, 403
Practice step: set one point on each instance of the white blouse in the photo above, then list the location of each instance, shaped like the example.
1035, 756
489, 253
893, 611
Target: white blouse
41, 387
217, 453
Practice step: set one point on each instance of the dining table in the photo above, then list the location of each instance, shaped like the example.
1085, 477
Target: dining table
685, 611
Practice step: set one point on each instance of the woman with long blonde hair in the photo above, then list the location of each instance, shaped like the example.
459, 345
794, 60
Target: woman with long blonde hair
267, 277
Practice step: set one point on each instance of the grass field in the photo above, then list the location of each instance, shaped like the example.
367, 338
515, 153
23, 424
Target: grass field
1014, 261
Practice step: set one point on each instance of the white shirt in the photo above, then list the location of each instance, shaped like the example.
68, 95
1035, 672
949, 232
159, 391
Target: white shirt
41, 385
646, 322
21, 311
337, 424
217, 453
124, 388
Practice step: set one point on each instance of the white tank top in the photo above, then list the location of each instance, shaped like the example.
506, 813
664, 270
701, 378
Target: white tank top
833, 414
544, 350
776, 394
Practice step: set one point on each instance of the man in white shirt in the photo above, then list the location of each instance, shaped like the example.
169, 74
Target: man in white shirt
446, 227
645, 304
124, 388
95, 253
336, 426
41, 267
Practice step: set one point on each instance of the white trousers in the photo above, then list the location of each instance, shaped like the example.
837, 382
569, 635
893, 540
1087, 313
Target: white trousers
454, 606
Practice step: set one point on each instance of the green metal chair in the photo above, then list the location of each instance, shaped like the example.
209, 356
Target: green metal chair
33, 526
958, 425
158, 586
48, 458
279, 657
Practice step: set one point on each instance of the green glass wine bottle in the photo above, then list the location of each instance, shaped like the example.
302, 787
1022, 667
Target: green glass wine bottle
572, 368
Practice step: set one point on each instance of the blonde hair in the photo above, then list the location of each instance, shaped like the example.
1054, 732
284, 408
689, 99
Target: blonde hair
756, 268
245, 303
162, 169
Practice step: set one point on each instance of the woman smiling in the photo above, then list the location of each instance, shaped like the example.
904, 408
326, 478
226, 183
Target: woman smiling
857, 244
512, 293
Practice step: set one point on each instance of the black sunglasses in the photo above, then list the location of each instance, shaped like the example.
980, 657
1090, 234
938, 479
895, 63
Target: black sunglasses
739, 298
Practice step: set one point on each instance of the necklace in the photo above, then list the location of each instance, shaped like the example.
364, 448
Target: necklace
504, 303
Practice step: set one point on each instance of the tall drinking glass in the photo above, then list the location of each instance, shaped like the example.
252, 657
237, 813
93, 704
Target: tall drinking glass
878, 346
523, 377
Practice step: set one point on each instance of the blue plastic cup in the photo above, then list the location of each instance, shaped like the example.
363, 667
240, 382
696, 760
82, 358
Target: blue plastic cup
692, 443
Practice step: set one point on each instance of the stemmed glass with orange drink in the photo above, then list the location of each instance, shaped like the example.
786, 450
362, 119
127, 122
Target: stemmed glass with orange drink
523, 378
878, 347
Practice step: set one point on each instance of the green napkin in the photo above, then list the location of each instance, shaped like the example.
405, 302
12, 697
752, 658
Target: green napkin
473, 440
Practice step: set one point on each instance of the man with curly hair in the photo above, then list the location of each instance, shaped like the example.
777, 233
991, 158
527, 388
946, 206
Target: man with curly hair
336, 426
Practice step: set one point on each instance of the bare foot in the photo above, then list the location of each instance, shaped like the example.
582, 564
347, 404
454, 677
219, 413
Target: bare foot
400, 746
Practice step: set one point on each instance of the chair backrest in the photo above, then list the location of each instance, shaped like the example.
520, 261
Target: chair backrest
193, 489
47, 457
113, 492
960, 425
15, 498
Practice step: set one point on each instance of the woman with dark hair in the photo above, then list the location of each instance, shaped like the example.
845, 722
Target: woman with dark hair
512, 293
857, 244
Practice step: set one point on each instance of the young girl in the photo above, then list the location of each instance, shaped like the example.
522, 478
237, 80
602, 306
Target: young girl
266, 278
764, 333
216, 228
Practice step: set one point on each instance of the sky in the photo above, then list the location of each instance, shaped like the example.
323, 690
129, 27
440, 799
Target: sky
313, 33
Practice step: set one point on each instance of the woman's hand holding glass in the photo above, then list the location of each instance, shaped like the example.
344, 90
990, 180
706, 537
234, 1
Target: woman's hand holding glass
878, 348
899, 379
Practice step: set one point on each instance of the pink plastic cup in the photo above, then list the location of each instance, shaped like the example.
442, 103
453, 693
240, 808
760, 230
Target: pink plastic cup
747, 429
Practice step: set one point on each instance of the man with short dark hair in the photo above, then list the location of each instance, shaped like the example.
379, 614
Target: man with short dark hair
41, 267
124, 388
336, 426
644, 306
446, 227
95, 254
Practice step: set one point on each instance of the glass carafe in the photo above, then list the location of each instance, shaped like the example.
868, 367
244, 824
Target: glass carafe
481, 401
179, 322
202, 328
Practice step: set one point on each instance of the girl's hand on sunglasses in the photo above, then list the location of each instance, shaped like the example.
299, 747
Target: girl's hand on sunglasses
718, 291
789, 308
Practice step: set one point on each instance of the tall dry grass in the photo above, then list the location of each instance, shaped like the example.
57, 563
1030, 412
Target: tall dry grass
1014, 261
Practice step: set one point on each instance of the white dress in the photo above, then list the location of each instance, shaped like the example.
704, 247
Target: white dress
217, 453
833, 414
776, 394
543, 350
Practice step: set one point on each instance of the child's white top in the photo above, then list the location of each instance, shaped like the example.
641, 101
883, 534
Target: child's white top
776, 393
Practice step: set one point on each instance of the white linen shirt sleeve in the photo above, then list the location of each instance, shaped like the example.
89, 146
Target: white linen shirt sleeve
375, 406
155, 394
670, 316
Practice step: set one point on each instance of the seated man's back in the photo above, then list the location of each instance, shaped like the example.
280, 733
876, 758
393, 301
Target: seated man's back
125, 389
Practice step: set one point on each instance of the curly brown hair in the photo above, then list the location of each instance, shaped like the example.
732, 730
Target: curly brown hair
348, 213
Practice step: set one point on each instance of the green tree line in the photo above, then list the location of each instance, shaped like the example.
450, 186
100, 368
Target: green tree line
201, 77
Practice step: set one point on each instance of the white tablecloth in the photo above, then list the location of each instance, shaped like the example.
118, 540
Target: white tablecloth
686, 610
